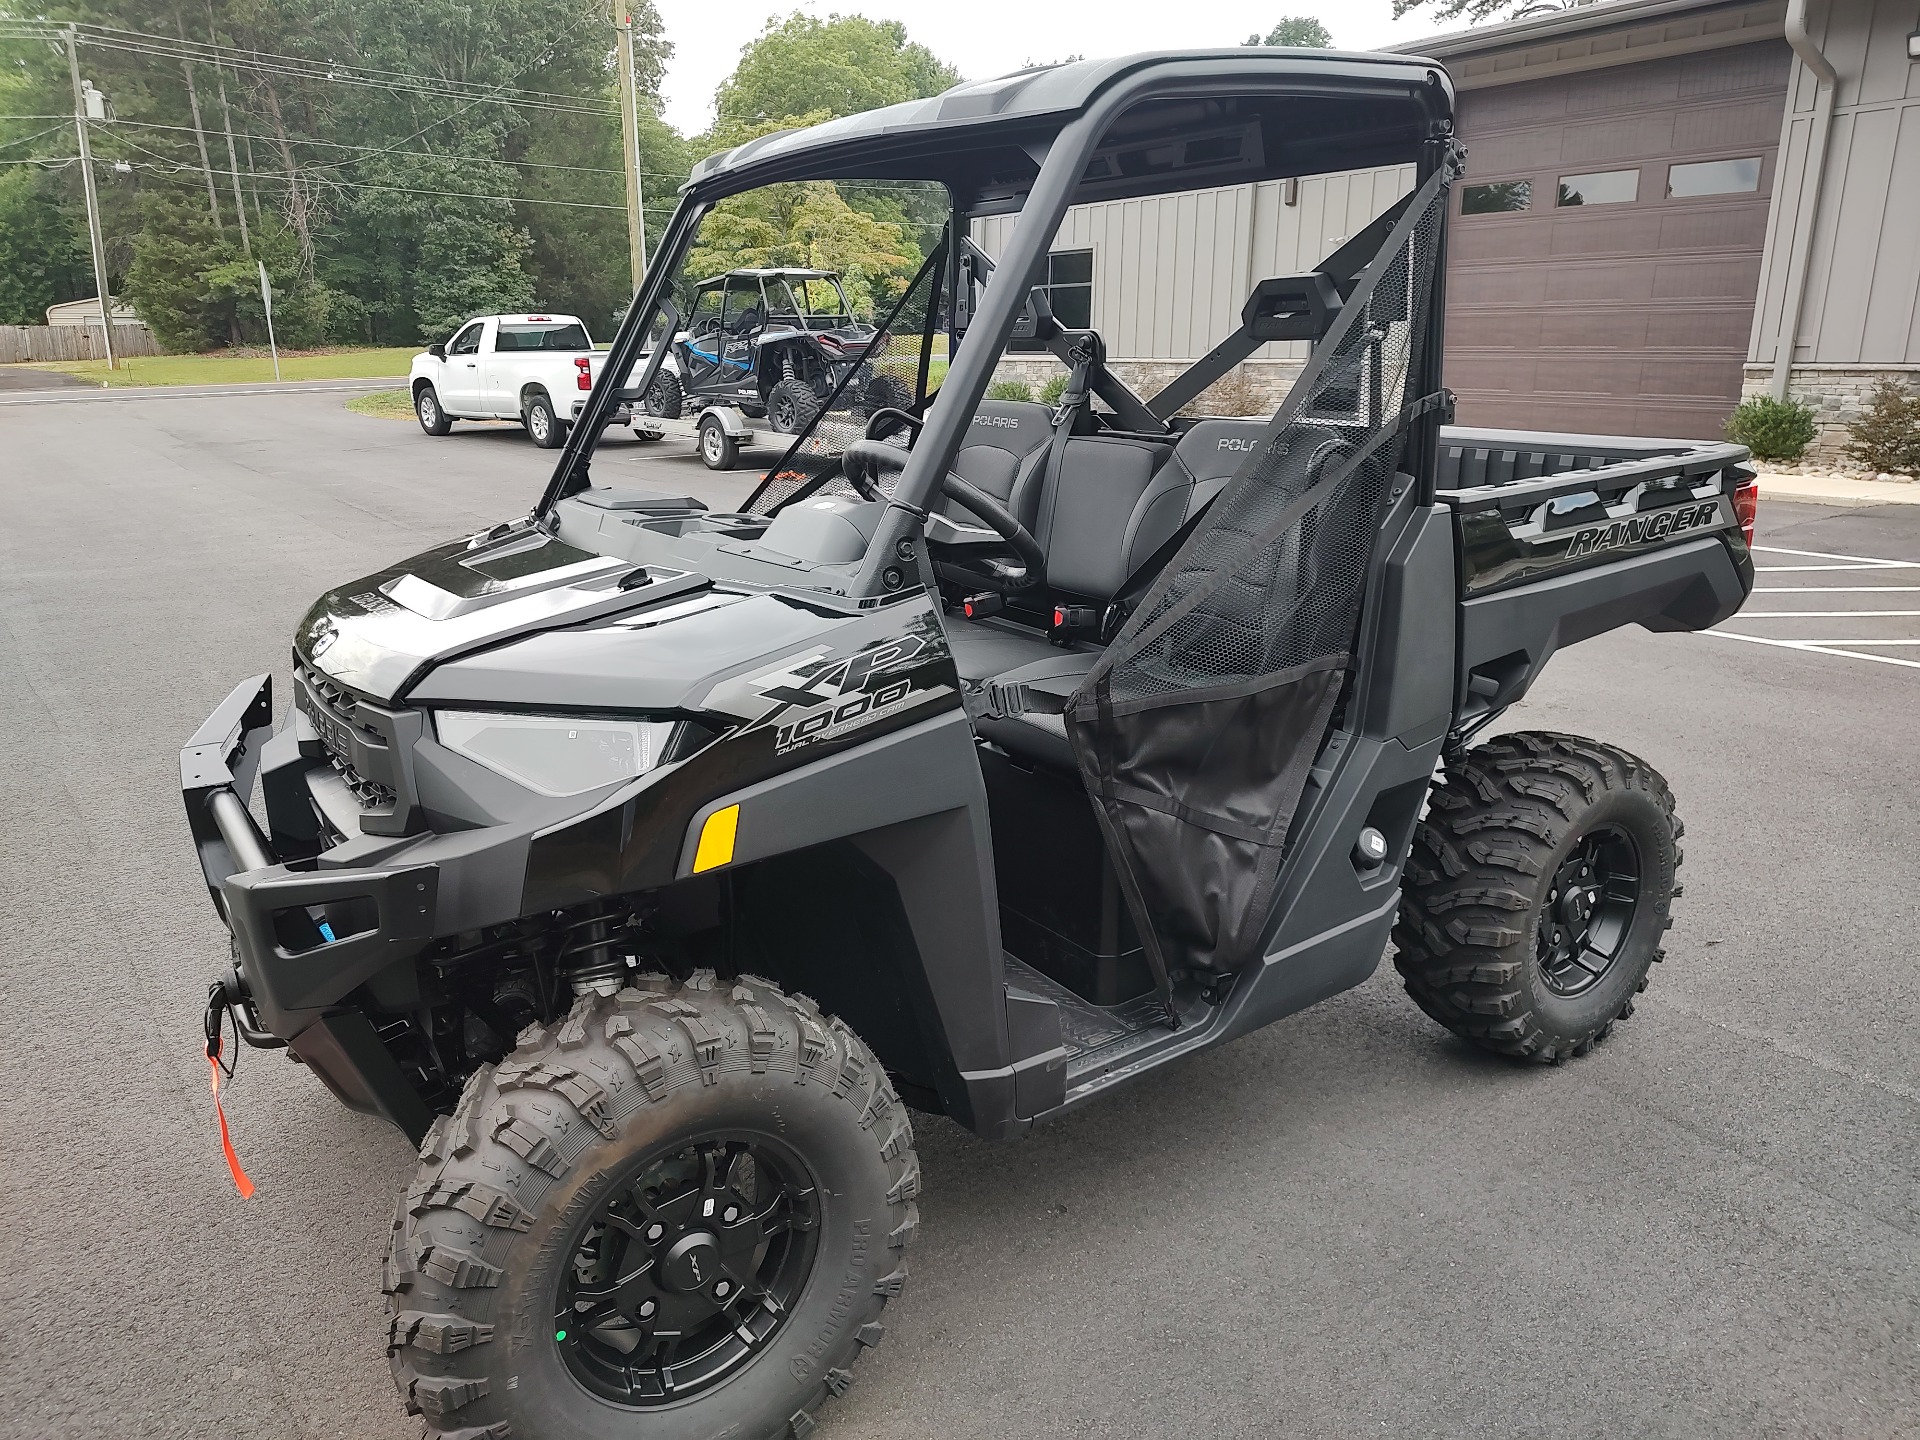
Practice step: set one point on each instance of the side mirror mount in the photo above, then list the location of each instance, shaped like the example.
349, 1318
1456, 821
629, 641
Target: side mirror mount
437, 350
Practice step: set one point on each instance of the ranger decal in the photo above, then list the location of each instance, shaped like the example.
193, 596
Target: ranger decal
1656, 525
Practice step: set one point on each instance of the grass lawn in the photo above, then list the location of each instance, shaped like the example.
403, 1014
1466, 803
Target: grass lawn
226, 369
383, 405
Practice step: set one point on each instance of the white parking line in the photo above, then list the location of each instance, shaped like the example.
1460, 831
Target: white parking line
1814, 649
1827, 614
1867, 560
1849, 648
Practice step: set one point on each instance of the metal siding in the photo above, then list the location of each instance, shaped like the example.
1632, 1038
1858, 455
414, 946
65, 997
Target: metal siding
1624, 318
1864, 266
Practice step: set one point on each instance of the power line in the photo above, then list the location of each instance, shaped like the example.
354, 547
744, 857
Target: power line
302, 67
338, 145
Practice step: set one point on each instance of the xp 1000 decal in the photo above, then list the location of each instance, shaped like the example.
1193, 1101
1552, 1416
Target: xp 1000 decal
820, 696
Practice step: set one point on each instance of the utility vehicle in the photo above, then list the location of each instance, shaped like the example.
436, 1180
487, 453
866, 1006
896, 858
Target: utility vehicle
536, 369
647, 864
773, 344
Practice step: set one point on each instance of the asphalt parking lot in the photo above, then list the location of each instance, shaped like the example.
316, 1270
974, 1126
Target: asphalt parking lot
1348, 1224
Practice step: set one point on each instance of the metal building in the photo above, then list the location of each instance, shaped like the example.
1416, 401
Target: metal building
1627, 201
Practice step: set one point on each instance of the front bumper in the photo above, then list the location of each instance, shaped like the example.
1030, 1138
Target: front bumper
303, 938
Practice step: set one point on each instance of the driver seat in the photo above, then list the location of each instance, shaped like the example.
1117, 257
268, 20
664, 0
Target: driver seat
1113, 503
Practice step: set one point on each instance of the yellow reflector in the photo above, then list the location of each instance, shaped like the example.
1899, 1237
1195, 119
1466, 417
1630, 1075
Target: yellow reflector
716, 839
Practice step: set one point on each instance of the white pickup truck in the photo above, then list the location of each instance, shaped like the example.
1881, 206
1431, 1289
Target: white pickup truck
536, 369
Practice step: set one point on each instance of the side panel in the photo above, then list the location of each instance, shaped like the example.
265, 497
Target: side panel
1506, 637
914, 804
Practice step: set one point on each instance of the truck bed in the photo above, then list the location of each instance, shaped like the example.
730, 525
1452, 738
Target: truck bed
1563, 537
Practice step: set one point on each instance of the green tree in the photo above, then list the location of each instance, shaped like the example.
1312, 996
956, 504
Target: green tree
840, 65
809, 225
197, 288
43, 251
1301, 30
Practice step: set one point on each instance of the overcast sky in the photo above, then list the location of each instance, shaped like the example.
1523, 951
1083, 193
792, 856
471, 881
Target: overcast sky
990, 37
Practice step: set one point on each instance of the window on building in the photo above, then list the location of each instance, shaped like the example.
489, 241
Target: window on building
1603, 187
1714, 177
1499, 198
1069, 292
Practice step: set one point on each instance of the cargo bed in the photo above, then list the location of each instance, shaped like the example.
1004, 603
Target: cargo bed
1563, 537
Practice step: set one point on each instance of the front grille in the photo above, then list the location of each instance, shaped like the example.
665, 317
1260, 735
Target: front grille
341, 706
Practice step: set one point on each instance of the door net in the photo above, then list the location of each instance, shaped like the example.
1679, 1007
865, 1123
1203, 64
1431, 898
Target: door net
883, 365
1195, 730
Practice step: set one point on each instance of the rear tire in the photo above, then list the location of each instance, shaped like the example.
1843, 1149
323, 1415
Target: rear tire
791, 406
543, 426
431, 414
664, 398
525, 1250
718, 450
1538, 892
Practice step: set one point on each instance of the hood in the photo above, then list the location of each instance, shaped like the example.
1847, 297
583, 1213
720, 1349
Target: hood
379, 634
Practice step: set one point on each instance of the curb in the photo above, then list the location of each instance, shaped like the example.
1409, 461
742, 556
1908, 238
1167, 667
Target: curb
1822, 490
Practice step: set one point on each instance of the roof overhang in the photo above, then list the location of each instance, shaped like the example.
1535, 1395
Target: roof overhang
1596, 36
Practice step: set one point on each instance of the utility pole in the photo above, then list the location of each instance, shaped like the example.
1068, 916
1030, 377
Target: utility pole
93, 200
630, 147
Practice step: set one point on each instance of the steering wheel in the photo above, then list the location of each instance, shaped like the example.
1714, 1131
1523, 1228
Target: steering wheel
865, 461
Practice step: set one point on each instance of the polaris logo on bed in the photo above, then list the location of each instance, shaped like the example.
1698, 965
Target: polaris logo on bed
1658, 525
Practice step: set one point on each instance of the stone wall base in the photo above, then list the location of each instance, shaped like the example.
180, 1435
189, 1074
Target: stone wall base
1837, 393
1254, 388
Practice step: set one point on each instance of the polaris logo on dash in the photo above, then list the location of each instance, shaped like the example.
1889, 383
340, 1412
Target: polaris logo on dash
1660, 525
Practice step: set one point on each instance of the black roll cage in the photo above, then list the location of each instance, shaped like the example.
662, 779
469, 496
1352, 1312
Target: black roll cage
1064, 144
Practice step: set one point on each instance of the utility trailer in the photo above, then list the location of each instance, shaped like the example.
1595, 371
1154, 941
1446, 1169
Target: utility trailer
646, 865
719, 433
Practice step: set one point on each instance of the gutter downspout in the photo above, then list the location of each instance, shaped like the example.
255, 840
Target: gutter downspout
1800, 258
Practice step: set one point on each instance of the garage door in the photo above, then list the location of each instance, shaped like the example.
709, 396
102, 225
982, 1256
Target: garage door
1605, 249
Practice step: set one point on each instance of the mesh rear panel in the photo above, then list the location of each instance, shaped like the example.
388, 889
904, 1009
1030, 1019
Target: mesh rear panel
884, 373
1260, 589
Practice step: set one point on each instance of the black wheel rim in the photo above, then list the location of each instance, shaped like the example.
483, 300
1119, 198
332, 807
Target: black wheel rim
665, 1295
1591, 902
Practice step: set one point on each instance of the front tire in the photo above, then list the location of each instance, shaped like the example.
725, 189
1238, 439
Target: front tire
431, 414
543, 426
576, 1204
1538, 892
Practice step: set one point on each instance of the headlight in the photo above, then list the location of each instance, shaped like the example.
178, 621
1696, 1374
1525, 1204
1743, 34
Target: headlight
555, 754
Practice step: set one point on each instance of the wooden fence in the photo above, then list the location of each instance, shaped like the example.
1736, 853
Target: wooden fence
29, 343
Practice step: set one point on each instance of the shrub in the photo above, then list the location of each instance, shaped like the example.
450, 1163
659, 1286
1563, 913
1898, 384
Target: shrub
1772, 429
1886, 437
1010, 390
1233, 394
1051, 392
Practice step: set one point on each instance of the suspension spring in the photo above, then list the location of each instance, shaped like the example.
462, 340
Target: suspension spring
591, 957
